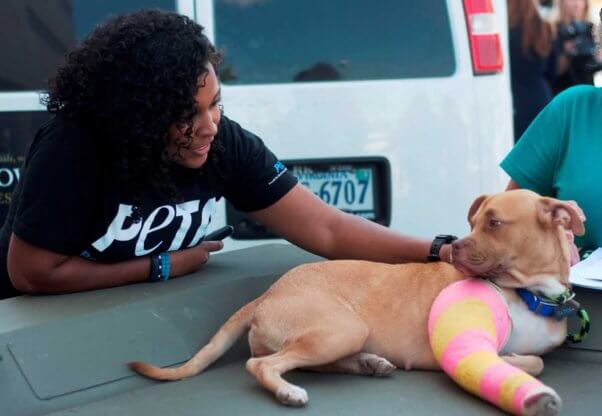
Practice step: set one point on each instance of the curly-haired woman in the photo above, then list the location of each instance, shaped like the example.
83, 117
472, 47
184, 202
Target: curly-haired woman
119, 186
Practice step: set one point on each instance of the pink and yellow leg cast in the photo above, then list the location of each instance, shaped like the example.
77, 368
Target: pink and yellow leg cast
468, 326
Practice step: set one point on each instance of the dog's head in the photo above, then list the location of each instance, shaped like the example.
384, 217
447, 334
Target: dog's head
518, 239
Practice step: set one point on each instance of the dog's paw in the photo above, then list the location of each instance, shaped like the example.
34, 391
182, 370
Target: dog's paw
292, 396
372, 364
535, 367
531, 364
543, 404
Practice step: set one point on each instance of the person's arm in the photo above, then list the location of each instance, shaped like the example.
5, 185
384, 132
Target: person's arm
305, 220
36, 270
272, 196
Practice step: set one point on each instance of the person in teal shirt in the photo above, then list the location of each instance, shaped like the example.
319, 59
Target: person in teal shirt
560, 155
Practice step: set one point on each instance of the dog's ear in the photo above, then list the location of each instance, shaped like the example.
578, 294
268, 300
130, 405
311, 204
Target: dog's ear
474, 208
565, 213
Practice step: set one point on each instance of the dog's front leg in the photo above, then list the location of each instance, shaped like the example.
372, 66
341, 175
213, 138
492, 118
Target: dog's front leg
531, 364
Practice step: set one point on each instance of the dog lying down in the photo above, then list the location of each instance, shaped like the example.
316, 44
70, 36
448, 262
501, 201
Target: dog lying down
369, 318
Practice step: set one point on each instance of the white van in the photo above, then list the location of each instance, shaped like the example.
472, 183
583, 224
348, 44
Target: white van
396, 110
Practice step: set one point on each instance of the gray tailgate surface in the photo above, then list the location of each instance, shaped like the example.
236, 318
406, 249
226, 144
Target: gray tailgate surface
66, 354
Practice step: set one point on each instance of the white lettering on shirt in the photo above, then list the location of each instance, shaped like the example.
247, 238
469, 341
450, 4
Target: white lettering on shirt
116, 230
147, 228
185, 210
208, 210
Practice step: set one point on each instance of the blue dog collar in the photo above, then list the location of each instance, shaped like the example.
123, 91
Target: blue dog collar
559, 308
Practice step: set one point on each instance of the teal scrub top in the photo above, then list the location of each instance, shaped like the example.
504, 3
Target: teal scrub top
560, 155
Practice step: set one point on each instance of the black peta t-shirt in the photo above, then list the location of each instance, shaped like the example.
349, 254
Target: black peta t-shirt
68, 201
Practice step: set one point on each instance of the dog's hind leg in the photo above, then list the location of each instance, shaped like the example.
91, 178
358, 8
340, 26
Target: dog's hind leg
362, 363
338, 336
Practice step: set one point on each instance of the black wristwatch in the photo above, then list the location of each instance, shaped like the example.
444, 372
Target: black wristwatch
436, 245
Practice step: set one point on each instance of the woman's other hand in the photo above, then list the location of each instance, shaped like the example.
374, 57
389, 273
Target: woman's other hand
192, 259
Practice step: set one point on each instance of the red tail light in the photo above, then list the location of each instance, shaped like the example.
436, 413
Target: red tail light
485, 42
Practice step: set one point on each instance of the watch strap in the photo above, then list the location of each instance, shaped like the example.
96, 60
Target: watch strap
437, 244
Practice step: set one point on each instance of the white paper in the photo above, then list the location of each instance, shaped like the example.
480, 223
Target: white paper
588, 273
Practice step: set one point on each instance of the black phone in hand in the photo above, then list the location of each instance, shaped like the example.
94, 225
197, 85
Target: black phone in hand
220, 234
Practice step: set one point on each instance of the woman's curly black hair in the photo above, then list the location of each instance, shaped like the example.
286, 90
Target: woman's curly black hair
130, 80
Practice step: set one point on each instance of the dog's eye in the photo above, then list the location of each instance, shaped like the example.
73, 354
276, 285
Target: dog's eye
493, 223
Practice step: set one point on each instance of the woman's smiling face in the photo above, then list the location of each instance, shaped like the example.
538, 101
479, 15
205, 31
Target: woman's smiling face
193, 152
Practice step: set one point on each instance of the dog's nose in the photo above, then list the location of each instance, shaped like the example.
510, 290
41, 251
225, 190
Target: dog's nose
462, 243
457, 245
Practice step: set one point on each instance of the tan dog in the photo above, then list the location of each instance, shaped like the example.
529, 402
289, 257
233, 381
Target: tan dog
369, 318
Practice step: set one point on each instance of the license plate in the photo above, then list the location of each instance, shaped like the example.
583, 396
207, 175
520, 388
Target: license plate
347, 187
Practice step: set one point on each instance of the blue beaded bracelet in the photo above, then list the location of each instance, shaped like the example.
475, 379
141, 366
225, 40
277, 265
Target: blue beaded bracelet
164, 265
155, 265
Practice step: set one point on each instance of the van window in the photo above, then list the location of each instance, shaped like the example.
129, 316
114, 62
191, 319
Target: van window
35, 35
275, 41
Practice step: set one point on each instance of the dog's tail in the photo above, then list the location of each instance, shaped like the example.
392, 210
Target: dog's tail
217, 346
